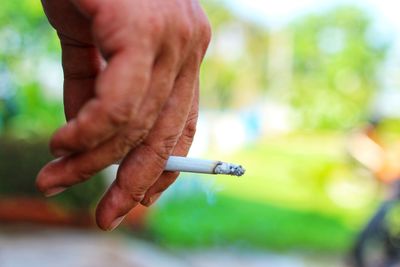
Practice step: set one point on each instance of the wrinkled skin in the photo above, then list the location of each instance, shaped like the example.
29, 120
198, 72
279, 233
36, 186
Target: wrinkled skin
131, 72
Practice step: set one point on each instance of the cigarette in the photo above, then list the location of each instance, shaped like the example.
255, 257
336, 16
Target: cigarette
206, 166
182, 164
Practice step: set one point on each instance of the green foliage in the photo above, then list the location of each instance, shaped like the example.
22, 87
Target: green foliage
324, 66
233, 73
392, 221
335, 68
20, 162
27, 40
36, 117
29, 25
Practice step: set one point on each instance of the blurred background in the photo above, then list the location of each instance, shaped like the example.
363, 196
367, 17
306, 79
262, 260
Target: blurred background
305, 94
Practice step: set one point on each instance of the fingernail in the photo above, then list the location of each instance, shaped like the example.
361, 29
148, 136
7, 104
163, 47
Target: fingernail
147, 201
61, 152
116, 222
54, 191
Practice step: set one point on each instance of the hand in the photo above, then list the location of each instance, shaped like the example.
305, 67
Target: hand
131, 72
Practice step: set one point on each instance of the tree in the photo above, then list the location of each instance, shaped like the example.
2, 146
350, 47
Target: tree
27, 40
335, 65
234, 70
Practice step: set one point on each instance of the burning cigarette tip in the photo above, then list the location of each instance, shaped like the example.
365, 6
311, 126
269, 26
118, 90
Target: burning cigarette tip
229, 168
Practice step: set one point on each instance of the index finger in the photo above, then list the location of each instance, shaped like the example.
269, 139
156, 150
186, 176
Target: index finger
120, 89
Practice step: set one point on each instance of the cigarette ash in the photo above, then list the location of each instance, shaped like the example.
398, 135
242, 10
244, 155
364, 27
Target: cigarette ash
229, 168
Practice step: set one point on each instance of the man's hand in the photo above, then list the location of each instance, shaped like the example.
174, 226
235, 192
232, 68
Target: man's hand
131, 72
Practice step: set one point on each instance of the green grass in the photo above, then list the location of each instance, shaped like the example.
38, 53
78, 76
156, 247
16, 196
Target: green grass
193, 222
298, 171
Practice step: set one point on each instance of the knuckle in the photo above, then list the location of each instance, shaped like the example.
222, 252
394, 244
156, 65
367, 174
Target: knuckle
155, 26
137, 195
191, 127
107, 20
134, 137
160, 153
185, 33
78, 172
205, 33
81, 175
86, 143
120, 148
83, 141
168, 144
119, 114
189, 131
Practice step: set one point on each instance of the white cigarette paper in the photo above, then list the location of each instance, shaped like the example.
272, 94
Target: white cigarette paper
182, 164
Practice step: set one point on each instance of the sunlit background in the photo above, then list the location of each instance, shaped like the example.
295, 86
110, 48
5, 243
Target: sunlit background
286, 87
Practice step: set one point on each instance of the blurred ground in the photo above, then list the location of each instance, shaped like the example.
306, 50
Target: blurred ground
80, 248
